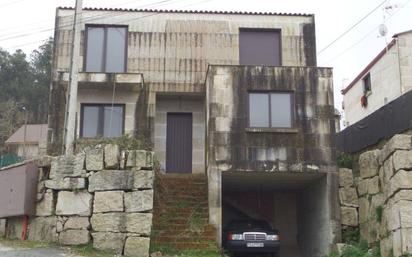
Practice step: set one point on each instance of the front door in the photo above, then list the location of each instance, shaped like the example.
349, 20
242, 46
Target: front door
179, 143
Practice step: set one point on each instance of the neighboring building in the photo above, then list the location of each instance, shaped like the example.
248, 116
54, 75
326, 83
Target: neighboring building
385, 78
29, 141
234, 95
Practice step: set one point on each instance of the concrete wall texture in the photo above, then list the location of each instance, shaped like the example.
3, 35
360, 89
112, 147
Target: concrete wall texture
390, 78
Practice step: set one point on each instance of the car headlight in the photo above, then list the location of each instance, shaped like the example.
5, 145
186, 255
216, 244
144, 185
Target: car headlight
235, 237
272, 237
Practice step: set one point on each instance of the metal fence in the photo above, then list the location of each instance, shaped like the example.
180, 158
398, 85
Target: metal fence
9, 159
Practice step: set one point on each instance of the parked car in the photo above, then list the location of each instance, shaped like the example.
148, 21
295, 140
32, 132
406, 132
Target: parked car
251, 236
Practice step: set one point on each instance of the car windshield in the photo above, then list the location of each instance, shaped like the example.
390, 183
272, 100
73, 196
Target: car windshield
249, 224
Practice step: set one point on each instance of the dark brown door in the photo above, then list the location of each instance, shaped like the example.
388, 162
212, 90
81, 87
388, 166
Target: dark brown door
179, 143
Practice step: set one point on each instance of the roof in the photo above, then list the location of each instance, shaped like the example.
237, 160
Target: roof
34, 134
186, 11
374, 61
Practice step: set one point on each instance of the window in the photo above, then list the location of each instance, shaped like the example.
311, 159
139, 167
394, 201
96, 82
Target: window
100, 120
271, 110
259, 47
367, 83
106, 48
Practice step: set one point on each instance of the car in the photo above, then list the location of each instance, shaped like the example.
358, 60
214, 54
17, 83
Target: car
251, 236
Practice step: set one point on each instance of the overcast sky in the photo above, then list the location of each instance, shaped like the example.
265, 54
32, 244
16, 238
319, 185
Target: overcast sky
25, 23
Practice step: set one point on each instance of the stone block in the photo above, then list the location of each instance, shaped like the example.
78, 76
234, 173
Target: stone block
2, 227
121, 180
402, 195
108, 241
402, 160
111, 156
386, 246
123, 159
131, 158
345, 177
66, 183
67, 166
349, 216
94, 160
348, 196
74, 203
143, 179
74, 237
363, 187
139, 223
46, 206
397, 142
388, 169
363, 209
77, 223
42, 229
339, 248
137, 246
14, 227
401, 180
109, 201
400, 215
402, 242
140, 159
369, 186
368, 164
138, 201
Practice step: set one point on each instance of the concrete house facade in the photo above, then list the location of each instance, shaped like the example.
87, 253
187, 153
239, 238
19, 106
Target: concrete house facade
236, 96
384, 79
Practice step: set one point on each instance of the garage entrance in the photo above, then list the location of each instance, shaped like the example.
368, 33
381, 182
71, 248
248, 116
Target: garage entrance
293, 203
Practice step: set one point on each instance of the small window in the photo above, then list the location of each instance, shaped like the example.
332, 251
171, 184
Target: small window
259, 47
367, 83
106, 49
99, 120
271, 110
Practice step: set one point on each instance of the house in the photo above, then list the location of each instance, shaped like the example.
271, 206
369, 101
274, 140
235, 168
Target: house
384, 79
237, 96
29, 140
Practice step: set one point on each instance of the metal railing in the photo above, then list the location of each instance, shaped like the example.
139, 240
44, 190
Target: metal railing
9, 159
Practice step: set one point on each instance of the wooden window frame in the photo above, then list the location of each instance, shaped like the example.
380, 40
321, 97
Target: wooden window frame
100, 105
105, 27
366, 80
269, 93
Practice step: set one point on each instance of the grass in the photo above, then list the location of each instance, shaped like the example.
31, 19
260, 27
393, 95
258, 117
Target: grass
14, 243
83, 250
211, 251
360, 249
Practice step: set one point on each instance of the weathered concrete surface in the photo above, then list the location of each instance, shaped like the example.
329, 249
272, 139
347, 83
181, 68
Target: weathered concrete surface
74, 237
74, 203
109, 201
109, 241
137, 246
138, 201
139, 223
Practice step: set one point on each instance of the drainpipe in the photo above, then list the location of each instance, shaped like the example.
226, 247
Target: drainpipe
399, 67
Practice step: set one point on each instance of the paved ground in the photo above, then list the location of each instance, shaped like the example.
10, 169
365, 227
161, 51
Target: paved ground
38, 252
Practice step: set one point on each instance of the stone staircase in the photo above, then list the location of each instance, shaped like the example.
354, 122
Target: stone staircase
181, 218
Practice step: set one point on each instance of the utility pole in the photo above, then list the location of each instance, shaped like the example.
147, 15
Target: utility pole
71, 108
25, 132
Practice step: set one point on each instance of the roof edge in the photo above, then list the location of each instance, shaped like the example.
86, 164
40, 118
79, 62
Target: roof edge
369, 66
187, 11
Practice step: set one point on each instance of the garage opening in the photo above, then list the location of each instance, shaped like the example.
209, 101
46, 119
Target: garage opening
295, 204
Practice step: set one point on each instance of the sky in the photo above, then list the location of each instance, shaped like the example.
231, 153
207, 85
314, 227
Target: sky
24, 24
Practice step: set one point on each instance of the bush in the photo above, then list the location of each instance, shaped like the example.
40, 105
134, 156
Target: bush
345, 161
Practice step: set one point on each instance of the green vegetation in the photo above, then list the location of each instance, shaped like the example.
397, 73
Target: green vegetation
25, 82
23, 244
345, 161
379, 213
360, 249
88, 251
125, 142
211, 251
350, 236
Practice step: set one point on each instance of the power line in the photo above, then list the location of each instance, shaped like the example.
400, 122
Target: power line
363, 38
352, 27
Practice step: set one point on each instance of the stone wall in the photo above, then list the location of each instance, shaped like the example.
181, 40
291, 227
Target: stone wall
102, 196
384, 187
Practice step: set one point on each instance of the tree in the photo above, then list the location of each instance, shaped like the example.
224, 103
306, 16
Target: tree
24, 82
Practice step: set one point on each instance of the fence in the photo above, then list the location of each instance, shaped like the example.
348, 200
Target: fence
9, 159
